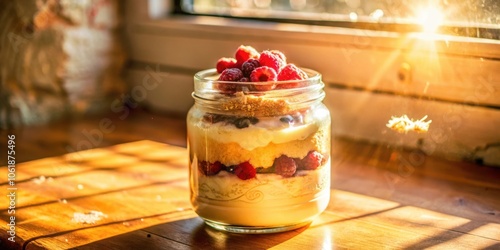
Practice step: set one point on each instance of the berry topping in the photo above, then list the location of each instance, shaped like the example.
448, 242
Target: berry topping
288, 73
312, 161
231, 74
210, 168
245, 171
244, 79
248, 66
279, 54
263, 74
225, 63
285, 166
243, 53
291, 72
272, 59
245, 122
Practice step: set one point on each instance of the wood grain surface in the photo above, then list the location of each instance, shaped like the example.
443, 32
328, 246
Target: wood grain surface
382, 197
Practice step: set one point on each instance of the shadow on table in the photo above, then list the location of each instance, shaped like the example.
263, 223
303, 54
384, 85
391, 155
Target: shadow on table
190, 233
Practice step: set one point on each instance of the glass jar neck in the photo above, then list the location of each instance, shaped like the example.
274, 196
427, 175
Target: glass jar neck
256, 98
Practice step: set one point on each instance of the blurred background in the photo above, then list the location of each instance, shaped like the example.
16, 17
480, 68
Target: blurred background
58, 59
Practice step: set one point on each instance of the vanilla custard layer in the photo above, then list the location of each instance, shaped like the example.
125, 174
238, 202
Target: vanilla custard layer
259, 135
207, 148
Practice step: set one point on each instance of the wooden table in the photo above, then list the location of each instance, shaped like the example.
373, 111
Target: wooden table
136, 176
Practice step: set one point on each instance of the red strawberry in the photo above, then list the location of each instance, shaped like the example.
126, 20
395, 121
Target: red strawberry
272, 59
243, 53
245, 171
210, 168
225, 63
312, 161
285, 166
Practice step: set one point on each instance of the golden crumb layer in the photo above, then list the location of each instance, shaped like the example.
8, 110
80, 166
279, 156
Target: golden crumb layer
253, 105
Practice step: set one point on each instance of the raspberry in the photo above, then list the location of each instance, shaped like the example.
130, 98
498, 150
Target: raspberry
245, 171
263, 74
272, 60
210, 168
279, 54
288, 73
285, 166
248, 66
312, 161
225, 63
243, 53
231, 74
291, 72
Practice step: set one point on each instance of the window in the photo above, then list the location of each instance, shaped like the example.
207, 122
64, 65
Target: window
474, 18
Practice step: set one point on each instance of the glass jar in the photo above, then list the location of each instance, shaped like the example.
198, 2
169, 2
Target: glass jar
259, 153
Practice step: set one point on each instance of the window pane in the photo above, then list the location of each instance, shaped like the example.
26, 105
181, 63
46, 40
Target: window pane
426, 14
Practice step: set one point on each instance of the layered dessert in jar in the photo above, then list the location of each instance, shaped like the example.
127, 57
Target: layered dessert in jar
259, 144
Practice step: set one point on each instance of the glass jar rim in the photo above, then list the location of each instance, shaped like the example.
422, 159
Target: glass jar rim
201, 76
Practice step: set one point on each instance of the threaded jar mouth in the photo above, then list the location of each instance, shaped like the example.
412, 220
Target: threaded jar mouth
251, 98
207, 81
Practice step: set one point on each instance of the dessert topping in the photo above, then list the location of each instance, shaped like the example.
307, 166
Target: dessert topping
231, 74
225, 63
272, 59
288, 73
249, 66
250, 62
243, 53
263, 74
